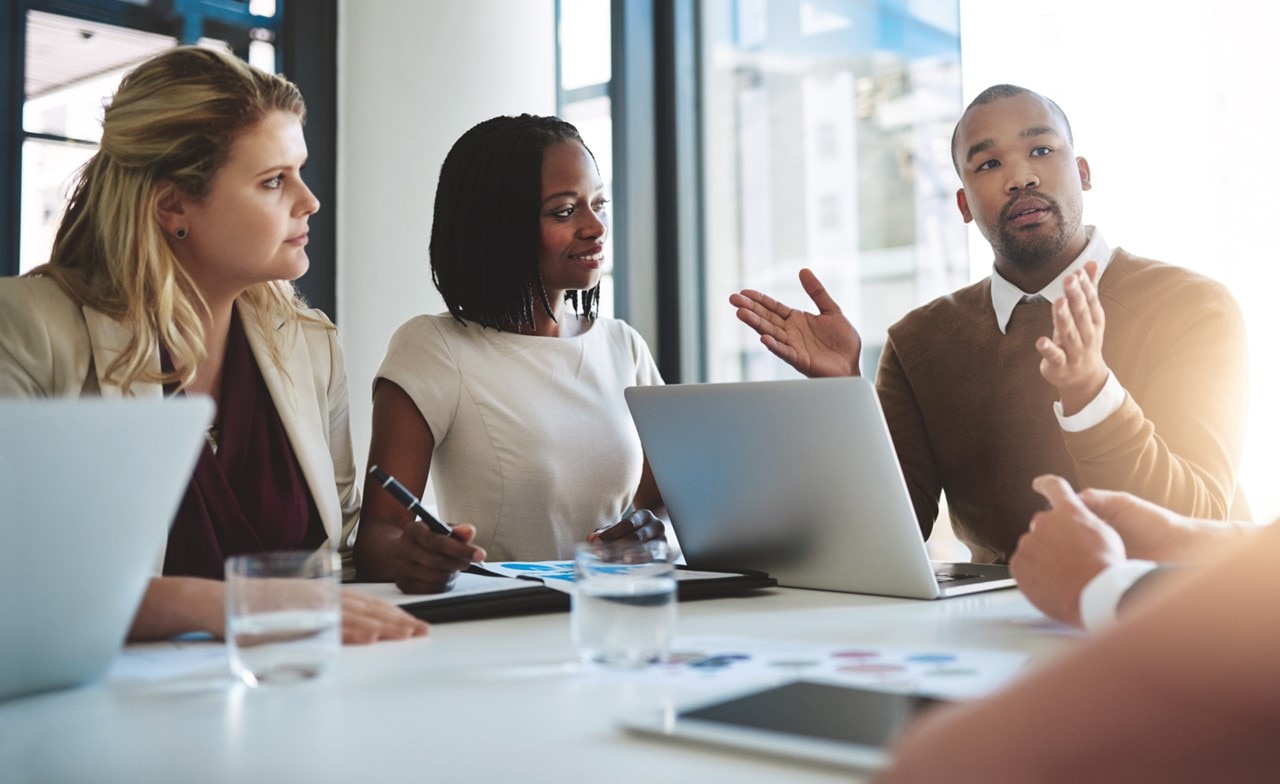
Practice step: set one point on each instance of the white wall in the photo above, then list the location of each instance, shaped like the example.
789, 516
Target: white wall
413, 75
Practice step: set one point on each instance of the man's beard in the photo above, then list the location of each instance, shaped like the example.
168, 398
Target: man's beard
1031, 249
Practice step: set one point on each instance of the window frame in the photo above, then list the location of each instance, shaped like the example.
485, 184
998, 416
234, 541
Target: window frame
312, 66
656, 102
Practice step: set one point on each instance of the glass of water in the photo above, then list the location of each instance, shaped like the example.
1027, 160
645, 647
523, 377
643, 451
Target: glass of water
624, 602
284, 618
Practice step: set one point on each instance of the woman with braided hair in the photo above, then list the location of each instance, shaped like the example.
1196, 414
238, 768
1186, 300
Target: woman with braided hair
513, 399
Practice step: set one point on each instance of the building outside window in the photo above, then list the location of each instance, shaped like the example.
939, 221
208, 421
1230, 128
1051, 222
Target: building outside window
826, 129
72, 66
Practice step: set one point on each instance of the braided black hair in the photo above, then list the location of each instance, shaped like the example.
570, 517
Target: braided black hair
486, 228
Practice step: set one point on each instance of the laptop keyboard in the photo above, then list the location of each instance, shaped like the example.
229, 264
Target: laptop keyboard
948, 577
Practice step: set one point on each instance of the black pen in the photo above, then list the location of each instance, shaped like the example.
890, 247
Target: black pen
411, 502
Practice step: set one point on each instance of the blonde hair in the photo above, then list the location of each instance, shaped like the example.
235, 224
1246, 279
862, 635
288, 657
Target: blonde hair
171, 124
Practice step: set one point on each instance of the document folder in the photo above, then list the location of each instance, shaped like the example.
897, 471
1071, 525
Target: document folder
477, 595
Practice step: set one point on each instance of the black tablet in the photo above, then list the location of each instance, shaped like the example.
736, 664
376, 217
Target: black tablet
826, 722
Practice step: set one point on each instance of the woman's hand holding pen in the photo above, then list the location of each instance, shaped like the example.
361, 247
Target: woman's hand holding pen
427, 562
641, 525
428, 554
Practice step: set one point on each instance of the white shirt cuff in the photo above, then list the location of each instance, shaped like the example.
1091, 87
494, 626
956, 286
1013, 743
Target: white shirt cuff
1107, 402
1102, 595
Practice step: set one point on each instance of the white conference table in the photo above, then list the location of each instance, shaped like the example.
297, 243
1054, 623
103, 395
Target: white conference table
498, 700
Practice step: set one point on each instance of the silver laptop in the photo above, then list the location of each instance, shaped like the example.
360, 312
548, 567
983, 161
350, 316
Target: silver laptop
795, 478
88, 489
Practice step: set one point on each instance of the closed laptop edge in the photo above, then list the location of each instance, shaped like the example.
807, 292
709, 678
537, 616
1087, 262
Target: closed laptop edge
88, 490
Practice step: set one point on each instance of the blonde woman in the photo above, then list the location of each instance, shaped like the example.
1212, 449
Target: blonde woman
170, 275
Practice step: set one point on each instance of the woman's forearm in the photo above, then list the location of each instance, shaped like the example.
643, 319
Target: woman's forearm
177, 605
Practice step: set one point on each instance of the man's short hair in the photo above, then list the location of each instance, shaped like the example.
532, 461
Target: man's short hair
995, 93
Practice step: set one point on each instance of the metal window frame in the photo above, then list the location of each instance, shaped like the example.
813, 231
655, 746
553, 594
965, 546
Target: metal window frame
306, 53
306, 45
12, 95
656, 136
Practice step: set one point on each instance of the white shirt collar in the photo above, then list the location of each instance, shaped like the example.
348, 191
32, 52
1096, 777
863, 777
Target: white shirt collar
1005, 296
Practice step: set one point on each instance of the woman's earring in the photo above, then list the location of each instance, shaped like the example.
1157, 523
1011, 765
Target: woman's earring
180, 234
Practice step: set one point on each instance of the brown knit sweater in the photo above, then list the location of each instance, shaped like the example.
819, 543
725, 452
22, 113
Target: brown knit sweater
971, 415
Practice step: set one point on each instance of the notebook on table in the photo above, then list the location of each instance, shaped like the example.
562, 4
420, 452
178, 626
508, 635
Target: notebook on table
497, 590
795, 478
88, 489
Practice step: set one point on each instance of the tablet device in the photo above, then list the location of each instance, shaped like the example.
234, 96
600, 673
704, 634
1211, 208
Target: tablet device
824, 722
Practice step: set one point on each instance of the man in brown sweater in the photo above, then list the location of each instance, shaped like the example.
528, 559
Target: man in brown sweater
1137, 383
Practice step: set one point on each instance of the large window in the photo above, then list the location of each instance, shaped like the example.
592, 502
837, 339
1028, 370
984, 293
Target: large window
755, 137
73, 67
75, 56
826, 130
64, 59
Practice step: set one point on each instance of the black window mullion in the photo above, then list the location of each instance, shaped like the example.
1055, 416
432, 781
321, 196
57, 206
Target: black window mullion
13, 36
678, 263
113, 12
310, 36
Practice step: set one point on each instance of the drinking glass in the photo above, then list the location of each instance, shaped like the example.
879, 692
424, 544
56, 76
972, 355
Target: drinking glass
284, 618
624, 602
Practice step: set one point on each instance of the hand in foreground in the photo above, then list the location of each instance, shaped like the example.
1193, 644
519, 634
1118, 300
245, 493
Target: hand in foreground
1065, 547
427, 562
641, 525
1072, 360
367, 619
929, 749
1154, 533
821, 345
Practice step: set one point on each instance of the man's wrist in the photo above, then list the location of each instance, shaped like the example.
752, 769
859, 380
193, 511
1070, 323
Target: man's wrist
1075, 397
1101, 596
1105, 402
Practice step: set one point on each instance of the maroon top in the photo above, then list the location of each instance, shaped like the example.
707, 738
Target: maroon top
250, 496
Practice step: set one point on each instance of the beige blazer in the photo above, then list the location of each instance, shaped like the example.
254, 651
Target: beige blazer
52, 347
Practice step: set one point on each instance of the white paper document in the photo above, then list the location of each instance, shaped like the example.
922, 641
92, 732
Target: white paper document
707, 663
465, 585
